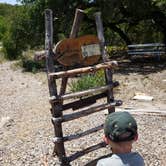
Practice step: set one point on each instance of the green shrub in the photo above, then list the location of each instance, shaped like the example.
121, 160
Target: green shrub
17, 38
88, 81
116, 49
10, 49
3, 27
2, 58
28, 64
31, 65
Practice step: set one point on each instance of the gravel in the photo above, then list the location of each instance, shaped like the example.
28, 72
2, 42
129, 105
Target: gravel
26, 133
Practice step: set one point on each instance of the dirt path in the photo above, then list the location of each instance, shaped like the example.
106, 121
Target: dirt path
24, 113
25, 127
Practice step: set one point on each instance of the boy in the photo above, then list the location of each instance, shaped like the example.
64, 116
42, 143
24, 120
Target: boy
120, 131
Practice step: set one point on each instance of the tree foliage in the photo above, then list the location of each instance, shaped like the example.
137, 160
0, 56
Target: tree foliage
132, 18
3, 27
125, 21
16, 36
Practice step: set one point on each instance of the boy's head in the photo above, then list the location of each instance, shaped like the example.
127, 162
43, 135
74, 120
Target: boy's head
120, 127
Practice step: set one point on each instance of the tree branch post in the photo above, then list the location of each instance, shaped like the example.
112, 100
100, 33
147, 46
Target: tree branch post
59, 149
73, 34
108, 72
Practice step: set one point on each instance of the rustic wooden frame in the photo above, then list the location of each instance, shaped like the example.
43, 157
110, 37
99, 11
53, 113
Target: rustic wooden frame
56, 100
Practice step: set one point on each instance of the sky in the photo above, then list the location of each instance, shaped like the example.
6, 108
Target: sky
13, 2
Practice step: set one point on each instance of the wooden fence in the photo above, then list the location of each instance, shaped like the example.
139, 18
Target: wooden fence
56, 99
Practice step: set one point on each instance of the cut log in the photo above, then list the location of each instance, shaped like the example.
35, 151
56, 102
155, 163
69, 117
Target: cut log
84, 112
74, 72
91, 91
83, 102
40, 55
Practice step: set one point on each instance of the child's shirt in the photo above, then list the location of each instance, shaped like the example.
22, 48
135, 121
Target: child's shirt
125, 159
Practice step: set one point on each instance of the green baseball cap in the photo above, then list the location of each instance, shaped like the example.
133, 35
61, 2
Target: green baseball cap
120, 126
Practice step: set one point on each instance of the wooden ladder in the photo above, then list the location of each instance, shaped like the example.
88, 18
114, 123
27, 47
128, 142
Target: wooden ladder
56, 99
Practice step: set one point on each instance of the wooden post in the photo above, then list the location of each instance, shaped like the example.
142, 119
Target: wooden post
74, 31
56, 107
108, 72
76, 23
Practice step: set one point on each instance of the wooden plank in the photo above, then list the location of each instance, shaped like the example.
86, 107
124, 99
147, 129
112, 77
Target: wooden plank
39, 55
79, 94
84, 112
147, 45
91, 91
85, 151
74, 32
83, 102
108, 72
150, 49
146, 52
59, 147
70, 73
76, 23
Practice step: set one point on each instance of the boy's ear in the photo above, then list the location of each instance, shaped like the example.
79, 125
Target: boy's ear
136, 137
106, 139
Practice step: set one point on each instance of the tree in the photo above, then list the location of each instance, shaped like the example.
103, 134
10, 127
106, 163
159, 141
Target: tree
124, 16
3, 27
122, 19
17, 36
63, 13
125, 21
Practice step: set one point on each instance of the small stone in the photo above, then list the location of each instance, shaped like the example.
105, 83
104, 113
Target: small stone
142, 97
4, 120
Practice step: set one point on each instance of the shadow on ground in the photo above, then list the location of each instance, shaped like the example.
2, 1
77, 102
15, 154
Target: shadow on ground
142, 66
94, 162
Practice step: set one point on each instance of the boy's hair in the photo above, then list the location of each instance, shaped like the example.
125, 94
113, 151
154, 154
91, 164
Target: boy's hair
120, 127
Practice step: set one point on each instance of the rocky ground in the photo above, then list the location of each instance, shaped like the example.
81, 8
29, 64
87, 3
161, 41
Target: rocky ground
26, 130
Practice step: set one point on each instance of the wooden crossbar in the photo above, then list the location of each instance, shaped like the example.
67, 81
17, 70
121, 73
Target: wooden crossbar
83, 112
91, 91
156, 49
143, 52
83, 102
147, 45
71, 73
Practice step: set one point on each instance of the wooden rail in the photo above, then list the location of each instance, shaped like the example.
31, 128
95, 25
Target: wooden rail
87, 111
79, 103
156, 49
91, 91
90, 69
